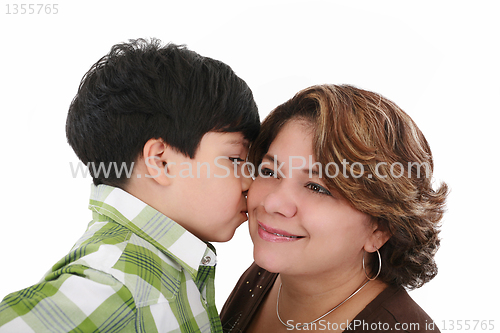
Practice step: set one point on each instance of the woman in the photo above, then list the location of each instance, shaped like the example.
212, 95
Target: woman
343, 218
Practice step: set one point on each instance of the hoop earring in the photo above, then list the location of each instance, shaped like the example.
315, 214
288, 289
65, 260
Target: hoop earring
379, 266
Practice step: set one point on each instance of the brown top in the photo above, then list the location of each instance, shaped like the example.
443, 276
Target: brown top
392, 310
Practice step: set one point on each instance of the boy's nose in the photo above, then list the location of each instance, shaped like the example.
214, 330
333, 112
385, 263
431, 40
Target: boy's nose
245, 183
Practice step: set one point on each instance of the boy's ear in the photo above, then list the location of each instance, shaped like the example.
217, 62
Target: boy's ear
155, 157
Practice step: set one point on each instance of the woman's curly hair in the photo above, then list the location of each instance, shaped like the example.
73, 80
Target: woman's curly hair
388, 166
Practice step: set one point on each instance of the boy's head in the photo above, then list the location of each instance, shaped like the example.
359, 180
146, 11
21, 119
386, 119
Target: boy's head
180, 119
143, 90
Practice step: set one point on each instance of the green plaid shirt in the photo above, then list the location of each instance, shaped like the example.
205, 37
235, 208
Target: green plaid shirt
134, 270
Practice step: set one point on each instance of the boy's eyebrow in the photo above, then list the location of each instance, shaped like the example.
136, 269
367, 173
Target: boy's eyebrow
243, 142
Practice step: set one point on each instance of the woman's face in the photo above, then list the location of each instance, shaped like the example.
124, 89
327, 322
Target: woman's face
297, 225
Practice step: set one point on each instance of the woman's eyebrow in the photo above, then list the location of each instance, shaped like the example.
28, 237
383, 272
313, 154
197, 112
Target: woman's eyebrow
270, 158
314, 171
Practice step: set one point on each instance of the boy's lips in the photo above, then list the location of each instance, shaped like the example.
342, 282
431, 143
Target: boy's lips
244, 213
270, 234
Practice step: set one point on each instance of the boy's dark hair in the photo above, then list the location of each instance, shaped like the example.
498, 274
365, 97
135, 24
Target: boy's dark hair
143, 90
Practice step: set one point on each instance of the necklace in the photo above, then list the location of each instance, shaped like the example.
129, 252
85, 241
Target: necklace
326, 314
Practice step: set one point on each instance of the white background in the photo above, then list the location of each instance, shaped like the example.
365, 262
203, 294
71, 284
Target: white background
438, 60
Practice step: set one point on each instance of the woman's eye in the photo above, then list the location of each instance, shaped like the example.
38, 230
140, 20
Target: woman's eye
318, 189
267, 173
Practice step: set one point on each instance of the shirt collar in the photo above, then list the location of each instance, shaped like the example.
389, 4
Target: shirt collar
164, 233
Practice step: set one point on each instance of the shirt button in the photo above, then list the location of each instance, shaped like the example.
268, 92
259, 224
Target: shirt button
206, 260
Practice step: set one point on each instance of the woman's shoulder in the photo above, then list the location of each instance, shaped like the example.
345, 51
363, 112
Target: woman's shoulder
247, 295
394, 309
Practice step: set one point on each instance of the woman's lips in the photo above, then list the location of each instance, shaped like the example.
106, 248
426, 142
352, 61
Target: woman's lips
270, 234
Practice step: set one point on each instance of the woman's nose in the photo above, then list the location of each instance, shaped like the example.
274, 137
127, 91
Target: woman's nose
281, 202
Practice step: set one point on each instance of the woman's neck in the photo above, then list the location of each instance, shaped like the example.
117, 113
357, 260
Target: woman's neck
325, 284
306, 298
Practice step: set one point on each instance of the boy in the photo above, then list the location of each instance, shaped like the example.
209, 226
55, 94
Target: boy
178, 121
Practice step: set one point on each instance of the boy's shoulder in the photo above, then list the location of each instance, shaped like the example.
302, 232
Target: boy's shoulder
110, 250
77, 292
109, 273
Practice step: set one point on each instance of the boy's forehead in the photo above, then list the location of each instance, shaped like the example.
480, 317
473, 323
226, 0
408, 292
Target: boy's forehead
226, 139
230, 138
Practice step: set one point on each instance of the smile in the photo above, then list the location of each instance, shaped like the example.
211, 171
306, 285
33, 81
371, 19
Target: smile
273, 235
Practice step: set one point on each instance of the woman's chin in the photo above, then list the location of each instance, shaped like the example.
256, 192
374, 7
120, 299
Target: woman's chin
267, 261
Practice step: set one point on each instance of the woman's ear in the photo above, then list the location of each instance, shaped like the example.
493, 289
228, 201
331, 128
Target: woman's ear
156, 160
380, 235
